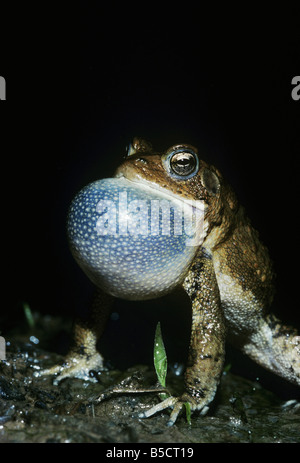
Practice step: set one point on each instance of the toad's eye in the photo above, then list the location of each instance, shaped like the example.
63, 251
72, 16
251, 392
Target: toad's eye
182, 163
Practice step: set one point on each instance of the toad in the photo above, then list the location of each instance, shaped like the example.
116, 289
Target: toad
227, 273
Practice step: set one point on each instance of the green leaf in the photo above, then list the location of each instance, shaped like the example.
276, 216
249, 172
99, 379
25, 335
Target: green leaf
188, 412
28, 315
227, 368
160, 357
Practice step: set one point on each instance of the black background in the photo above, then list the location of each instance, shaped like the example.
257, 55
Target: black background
81, 82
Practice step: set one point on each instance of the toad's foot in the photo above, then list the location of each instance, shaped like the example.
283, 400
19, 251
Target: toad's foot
177, 404
75, 366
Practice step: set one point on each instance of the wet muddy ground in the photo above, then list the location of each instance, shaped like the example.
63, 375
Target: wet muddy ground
32, 409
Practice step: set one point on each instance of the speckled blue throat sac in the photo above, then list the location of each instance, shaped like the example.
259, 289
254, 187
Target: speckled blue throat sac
129, 240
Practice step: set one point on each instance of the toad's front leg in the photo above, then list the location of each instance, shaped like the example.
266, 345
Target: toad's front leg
207, 345
83, 356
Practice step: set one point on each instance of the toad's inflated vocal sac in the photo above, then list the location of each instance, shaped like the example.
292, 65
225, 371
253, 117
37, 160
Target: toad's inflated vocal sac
130, 248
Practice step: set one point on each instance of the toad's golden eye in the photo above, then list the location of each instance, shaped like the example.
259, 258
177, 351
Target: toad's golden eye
183, 163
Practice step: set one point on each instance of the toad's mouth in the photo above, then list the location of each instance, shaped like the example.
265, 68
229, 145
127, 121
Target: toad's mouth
152, 187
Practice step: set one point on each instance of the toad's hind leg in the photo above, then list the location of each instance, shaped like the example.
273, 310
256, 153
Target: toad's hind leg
83, 356
275, 347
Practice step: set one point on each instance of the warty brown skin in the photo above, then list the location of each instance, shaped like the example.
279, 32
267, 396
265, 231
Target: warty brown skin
230, 284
